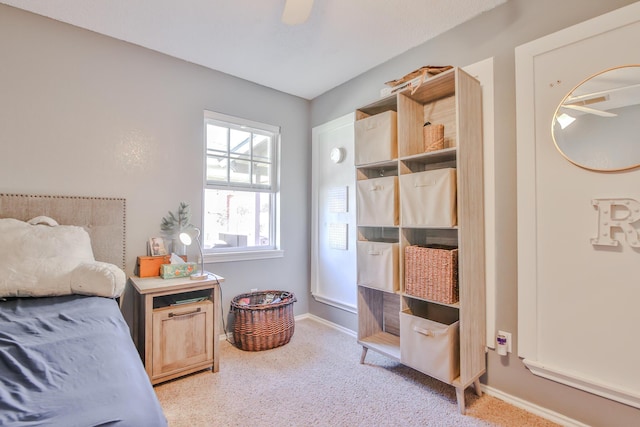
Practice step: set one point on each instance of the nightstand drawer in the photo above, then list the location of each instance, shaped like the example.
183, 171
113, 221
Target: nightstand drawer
182, 337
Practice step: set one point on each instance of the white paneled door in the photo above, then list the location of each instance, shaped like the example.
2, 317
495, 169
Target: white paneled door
333, 252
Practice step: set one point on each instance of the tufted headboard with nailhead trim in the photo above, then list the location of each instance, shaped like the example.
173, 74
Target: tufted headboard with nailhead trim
104, 219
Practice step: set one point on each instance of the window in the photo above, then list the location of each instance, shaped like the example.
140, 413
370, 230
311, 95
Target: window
241, 185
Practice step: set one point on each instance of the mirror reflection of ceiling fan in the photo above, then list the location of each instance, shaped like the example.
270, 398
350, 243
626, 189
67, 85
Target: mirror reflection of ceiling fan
296, 11
585, 102
582, 106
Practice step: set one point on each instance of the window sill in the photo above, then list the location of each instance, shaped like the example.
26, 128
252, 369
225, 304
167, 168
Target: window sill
242, 256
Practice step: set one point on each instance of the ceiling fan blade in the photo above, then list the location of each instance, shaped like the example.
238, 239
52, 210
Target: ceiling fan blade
590, 110
604, 92
296, 11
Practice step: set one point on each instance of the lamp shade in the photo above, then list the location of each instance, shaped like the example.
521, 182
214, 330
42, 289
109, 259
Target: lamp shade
186, 239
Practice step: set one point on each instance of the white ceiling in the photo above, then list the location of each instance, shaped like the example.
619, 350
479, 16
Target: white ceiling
246, 38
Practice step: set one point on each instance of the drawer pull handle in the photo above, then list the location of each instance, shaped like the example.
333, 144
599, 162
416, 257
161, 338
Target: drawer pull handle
427, 332
424, 184
186, 313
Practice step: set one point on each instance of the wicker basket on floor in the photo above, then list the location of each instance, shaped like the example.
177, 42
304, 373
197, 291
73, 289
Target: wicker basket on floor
262, 326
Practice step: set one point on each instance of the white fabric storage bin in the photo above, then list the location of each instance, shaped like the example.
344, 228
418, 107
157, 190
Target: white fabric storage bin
429, 198
376, 138
377, 265
377, 201
430, 347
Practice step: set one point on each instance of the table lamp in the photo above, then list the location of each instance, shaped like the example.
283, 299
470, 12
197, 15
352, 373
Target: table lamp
186, 239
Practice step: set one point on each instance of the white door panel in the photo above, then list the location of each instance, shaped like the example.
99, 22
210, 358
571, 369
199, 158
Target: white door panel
333, 252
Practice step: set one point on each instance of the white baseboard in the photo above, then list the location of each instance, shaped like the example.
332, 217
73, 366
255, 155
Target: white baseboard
327, 323
533, 408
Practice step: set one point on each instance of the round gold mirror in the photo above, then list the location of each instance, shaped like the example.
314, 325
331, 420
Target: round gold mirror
597, 125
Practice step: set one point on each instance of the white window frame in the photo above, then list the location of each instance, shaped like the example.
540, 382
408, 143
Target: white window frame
246, 253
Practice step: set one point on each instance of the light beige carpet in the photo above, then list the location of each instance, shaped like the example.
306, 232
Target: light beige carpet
317, 380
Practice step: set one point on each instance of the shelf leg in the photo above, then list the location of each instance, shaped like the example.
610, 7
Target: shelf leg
476, 386
460, 397
364, 354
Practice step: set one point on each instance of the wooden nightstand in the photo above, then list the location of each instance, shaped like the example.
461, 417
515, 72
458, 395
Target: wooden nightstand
176, 326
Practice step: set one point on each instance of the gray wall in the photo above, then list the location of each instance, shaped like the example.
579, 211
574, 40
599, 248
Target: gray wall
495, 33
84, 114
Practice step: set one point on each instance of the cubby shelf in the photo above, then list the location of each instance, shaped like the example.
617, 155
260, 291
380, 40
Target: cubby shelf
452, 98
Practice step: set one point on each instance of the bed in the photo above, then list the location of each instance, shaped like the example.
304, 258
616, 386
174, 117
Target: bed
66, 353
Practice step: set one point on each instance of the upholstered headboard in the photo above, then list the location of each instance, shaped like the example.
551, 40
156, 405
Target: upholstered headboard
103, 218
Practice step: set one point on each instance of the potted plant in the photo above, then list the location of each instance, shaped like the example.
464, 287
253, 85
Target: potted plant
175, 223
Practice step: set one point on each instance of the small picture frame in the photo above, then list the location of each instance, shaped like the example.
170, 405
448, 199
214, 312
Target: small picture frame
156, 246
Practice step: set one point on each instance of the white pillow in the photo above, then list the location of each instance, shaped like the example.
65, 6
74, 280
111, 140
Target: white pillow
38, 260
45, 220
98, 278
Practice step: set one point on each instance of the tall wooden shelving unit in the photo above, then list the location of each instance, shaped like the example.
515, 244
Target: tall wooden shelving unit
452, 98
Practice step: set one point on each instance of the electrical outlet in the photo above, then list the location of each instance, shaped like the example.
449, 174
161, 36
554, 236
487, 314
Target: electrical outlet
508, 336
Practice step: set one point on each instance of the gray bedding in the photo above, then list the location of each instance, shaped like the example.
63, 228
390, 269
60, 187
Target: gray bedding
70, 361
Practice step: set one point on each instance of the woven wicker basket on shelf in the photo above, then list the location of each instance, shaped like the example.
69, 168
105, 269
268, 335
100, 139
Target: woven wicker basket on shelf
432, 273
262, 326
433, 137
